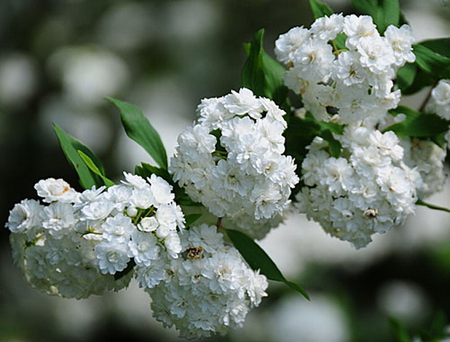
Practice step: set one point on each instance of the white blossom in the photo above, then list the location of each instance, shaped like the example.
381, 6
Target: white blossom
367, 190
51, 190
210, 290
235, 166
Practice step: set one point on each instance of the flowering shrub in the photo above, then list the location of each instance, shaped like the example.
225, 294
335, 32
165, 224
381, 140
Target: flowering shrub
347, 155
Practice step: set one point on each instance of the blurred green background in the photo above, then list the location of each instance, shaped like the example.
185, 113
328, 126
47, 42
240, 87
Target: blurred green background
59, 59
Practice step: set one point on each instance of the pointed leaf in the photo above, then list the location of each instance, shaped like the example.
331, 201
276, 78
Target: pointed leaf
91, 165
191, 218
263, 74
406, 76
418, 124
431, 62
320, 9
140, 130
70, 147
146, 170
258, 259
383, 12
399, 331
440, 46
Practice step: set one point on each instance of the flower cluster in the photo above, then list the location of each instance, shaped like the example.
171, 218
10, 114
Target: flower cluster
343, 66
208, 290
232, 161
427, 158
79, 243
439, 102
367, 190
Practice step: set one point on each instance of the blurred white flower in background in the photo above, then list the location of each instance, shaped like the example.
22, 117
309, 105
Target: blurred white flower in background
404, 300
18, 77
89, 74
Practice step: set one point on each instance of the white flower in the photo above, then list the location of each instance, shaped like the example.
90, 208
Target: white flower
59, 218
143, 247
349, 70
134, 181
243, 102
97, 210
326, 28
162, 191
288, 43
142, 198
112, 256
148, 224
90, 195
173, 244
314, 60
25, 216
401, 40
376, 54
387, 144
427, 158
118, 228
440, 99
357, 28
150, 276
51, 190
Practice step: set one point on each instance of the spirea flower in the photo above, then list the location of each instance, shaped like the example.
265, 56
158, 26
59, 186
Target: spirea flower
209, 289
78, 244
440, 100
353, 76
427, 158
367, 190
231, 160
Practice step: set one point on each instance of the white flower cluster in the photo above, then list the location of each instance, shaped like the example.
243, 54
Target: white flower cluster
76, 244
353, 80
440, 100
210, 289
439, 103
81, 244
427, 158
232, 161
367, 190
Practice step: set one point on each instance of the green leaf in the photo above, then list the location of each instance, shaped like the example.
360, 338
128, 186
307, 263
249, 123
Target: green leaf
70, 147
399, 331
262, 74
146, 170
418, 124
320, 9
191, 218
301, 131
421, 80
258, 259
406, 76
440, 46
94, 168
431, 62
141, 131
383, 12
